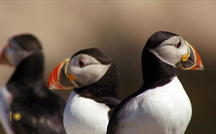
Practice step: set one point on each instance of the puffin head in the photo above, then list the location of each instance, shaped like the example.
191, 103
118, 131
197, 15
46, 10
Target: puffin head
18, 48
173, 50
86, 67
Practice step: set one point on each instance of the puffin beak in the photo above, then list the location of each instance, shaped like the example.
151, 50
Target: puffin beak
191, 60
59, 78
3, 58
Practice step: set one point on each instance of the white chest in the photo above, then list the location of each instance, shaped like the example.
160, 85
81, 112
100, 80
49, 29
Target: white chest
5, 101
6, 95
163, 110
85, 116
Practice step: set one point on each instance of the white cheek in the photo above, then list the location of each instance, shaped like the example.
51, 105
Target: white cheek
170, 54
11, 56
89, 74
15, 57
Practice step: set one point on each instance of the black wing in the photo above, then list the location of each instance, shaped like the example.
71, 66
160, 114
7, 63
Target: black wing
39, 115
113, 123
112, 127
111, 102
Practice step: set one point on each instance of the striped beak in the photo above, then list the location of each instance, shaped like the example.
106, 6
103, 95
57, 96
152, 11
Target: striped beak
191, 60
59, 78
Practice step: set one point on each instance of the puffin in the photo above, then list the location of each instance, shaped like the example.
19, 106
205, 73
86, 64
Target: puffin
27, 105
160, 105
93, 78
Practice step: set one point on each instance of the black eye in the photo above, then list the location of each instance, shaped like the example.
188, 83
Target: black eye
179, 44
81, 63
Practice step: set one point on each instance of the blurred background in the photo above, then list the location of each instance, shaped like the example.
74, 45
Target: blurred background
121, 28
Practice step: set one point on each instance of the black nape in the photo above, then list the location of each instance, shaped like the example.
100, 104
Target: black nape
27, 42
32, 67
97, 54
28, 76
155, 72
157, 38
104, 90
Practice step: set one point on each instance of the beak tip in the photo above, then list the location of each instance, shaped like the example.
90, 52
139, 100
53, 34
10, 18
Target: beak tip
201, 67
2, 56
195, 60
51, 87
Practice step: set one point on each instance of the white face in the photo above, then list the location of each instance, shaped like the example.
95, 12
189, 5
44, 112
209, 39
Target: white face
86, 69
171, 50
15, 54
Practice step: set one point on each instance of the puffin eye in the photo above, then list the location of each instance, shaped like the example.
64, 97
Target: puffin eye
81, 63
179, 44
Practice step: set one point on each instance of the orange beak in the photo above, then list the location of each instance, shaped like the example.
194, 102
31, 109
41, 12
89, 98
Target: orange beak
191, 60
3, 58
59, 78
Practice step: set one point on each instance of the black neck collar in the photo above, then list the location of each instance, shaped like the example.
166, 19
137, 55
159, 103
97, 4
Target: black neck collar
31, 67
105, 87
155, 72
28, 76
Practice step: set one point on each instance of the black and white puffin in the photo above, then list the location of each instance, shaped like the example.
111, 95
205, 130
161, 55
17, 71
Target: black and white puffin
40, 111
94, 77
161, 105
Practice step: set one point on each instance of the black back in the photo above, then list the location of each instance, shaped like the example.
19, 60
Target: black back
41, 110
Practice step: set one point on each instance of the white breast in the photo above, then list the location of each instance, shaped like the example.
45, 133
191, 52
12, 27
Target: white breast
85, 116
5, 101
163, 110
